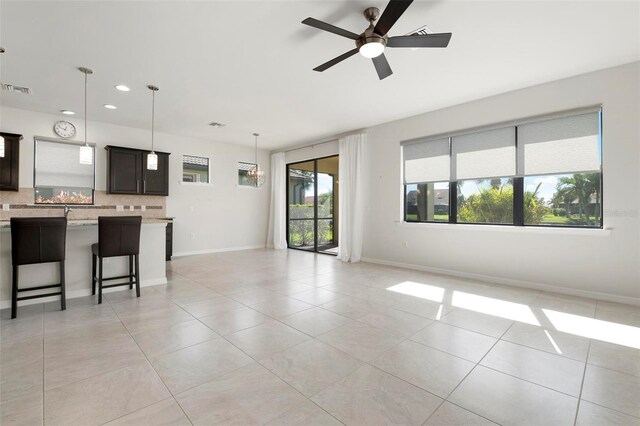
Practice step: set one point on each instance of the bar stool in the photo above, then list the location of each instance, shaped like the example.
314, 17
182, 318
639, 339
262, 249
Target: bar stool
117, 236
37, 240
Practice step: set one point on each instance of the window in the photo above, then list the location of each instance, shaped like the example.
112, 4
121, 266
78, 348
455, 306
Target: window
243, 173
485, 201
195, 169
59, 178
536, 173
427, 202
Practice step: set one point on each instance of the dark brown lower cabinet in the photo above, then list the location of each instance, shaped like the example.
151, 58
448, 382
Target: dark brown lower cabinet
169, 252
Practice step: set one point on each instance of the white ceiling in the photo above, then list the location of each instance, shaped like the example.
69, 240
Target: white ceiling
249, 64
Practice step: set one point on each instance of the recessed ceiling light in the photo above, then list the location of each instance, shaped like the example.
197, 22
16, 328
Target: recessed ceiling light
67, 112
122, 88
109, 106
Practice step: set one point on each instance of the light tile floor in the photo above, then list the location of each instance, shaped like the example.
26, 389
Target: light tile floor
287, 337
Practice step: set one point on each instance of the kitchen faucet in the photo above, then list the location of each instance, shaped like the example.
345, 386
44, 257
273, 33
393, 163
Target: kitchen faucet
67, 210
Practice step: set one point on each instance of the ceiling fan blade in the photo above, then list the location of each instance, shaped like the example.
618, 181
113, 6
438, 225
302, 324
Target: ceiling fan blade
331, 28
391, 14
382, 66
336, 60
428, 40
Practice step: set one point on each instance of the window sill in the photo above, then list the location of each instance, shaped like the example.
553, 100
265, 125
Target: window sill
591, 232
195, 183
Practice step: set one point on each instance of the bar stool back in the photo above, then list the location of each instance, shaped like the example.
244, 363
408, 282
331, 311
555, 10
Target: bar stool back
37, 240
117, 236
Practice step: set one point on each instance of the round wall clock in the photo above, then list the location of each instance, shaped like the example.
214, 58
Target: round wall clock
64, 129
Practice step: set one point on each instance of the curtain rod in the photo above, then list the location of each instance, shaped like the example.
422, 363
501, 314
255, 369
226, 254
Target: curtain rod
310, 146
335, 139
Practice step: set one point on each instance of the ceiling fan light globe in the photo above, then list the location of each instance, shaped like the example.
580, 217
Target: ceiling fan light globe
372, 49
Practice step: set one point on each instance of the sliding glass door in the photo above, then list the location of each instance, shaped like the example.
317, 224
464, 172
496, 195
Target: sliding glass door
312, 219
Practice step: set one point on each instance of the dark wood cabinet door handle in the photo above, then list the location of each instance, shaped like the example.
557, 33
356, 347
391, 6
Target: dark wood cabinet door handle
138, 185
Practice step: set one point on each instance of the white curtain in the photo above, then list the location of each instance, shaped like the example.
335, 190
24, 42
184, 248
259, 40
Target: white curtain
276, 236
351, 197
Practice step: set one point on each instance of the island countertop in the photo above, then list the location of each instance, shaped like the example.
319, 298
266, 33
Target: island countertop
89, 222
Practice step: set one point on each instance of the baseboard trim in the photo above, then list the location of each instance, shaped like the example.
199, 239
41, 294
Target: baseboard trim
72, 294
219, 250
608, 297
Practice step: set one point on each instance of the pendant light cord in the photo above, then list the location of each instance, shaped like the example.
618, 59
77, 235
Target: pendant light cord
153, 115
256, 151
85, 109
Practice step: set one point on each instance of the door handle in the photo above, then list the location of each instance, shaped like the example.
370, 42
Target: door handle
137, 185
144, 186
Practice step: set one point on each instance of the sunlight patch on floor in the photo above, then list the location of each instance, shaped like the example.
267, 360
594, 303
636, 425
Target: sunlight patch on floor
553, 342
606, 331
499, 308
422, 291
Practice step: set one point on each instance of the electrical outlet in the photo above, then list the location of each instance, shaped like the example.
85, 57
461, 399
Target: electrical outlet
132, 208
405, 244
143, 208
6, 207
119, 208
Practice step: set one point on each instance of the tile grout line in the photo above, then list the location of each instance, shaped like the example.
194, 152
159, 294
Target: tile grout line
584, 374
297, 391
273, 353
150, 364
257, 362
471, 371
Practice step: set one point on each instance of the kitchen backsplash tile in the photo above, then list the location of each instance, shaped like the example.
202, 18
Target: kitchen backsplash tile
22, 205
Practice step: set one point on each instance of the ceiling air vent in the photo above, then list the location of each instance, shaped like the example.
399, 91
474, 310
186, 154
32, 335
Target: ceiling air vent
18, 89
423, 30
214, 124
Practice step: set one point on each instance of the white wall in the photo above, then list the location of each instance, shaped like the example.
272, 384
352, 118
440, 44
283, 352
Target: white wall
592, 263
219, 216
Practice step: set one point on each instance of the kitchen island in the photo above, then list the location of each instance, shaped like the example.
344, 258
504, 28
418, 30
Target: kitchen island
80, 235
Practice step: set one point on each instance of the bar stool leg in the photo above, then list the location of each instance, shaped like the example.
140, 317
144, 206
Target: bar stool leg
93, 274
14, 293
100, 282
63, 295
137, 275
131, 272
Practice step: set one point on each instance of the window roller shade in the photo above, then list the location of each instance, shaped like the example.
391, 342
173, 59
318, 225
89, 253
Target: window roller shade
427, 161
57, 164
562, 145
486, 154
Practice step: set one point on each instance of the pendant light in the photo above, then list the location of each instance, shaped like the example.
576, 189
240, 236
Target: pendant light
152, 157
256, 176
86, 152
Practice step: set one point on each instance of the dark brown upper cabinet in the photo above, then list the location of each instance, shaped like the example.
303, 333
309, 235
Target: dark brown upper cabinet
127, 172
10, 163
156, 182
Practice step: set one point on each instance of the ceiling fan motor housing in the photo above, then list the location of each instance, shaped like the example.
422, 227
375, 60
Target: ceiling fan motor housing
370, 38
369, 35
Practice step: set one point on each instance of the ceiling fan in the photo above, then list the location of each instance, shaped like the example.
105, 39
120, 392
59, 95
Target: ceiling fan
373, 40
